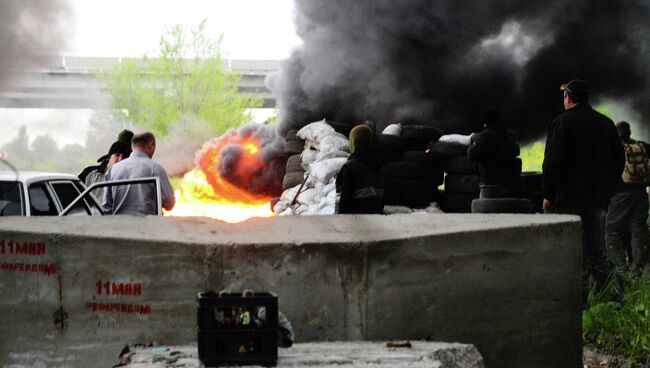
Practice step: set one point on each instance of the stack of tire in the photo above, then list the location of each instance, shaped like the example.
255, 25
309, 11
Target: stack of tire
411, 175
462, 179
295, 173
533, 185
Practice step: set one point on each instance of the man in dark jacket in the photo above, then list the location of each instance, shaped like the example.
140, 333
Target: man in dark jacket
583, 163
359, 182
628, 209
495, 155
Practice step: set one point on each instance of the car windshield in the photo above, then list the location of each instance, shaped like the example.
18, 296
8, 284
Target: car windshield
11, 199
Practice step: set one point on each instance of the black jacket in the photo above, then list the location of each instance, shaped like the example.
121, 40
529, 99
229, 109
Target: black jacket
495, 155
583, 160
360, 184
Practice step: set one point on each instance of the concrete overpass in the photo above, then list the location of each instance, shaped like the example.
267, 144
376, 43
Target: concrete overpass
69, 82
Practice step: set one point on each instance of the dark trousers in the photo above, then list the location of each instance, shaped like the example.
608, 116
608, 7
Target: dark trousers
593, 242
628, 214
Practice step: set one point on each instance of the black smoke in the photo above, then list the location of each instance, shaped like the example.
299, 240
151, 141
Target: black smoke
29, 29
441, 62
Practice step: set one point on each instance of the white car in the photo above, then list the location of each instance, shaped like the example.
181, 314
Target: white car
26, 193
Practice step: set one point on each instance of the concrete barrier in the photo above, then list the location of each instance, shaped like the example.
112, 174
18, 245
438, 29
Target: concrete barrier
73, 291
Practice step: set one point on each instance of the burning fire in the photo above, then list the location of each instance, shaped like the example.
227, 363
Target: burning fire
204, 192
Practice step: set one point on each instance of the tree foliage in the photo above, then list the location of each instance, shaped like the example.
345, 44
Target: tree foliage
187, 80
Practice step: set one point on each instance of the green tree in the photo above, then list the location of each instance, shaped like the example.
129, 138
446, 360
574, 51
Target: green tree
44, 153
18, 150
187, 80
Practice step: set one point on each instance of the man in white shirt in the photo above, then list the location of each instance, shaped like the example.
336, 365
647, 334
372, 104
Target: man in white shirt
138, 199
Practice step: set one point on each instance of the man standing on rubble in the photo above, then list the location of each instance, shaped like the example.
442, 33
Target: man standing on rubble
628, 210
583, 162
138, 199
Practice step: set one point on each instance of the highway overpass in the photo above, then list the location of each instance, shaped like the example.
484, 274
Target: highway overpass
69, 82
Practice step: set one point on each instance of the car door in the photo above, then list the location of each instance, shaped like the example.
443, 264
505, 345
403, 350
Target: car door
65, 192
41, 200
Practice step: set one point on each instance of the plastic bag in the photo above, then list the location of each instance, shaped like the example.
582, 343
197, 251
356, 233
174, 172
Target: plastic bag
289, 194
308, 196
280, 207
334, 142
321, 156
323, 171
465, 140
308, 157
393, 129
315, 131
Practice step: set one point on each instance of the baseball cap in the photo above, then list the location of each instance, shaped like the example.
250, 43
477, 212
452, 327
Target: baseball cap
117, 147
576, 88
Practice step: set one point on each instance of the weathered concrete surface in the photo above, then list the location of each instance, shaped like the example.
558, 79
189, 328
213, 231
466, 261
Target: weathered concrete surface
508, 284
330, 354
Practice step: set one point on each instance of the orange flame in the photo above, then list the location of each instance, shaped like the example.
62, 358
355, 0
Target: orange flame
204, 192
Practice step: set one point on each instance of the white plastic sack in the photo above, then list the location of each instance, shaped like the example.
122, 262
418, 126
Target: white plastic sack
330, 210
308, 196
323, 171
301, 209
326, 189
315, 131
321, 156
334, 142
308, 157
393, 129
289, 194
465, 140
280, 207
288, 212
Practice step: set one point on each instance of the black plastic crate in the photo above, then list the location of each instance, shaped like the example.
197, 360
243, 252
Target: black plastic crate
228, 333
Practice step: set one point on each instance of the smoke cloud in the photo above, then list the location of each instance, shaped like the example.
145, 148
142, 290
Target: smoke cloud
442, 62
28, 27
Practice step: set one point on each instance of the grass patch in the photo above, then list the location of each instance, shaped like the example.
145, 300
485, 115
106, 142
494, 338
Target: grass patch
620, 327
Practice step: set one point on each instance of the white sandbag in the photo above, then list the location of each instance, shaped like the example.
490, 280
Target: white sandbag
308, 196
323, 171
326, 189
308, 157
288, 212
397, 210
312, 210
393, 129
280, 207
330, 210
321, 156
334, 142
301, 209
465, 140
289, 194
315, 131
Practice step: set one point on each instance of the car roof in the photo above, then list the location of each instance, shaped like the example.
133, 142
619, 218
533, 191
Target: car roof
31, 176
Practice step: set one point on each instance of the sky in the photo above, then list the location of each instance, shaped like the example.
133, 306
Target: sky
252, 29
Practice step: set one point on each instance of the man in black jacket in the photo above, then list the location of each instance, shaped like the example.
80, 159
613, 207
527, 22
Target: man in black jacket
628, 210
495, 155
583, 163
359, 182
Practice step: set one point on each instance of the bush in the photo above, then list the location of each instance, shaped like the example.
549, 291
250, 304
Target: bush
620, 327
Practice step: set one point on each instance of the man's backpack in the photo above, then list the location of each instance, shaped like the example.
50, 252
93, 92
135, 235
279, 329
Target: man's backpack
636, 164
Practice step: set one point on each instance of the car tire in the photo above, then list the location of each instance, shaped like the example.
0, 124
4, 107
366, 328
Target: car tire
533, 181
414, 170
516, 166
461, 165
457, 183
405, 192
392, 142
294, 163
341, 128
450, 148
292, 179
292, 135
456, 202
502, 205
422, 133
294, 147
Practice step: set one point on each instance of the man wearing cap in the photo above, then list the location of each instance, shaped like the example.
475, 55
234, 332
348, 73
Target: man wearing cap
583, 162
359, 182
138, 199
118, 151
124, 136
